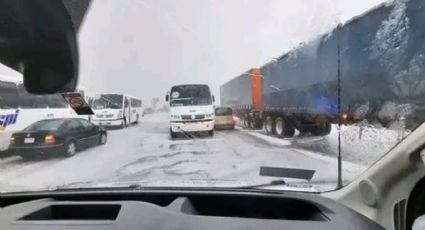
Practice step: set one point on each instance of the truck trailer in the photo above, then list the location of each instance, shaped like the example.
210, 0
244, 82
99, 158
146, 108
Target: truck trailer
371, 69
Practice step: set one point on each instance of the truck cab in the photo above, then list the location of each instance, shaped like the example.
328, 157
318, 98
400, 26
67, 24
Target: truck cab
191, 109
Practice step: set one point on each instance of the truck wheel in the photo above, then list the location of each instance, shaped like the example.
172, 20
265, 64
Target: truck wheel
245, 123
279, 126
251, 124
284, 128
258, 124
289, 129
269, 126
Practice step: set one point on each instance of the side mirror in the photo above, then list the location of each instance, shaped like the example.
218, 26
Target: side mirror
167, 97
213, 98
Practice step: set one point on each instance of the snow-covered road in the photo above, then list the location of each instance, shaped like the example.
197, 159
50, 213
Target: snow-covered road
145, 154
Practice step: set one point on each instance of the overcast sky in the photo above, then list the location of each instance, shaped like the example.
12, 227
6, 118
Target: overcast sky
142, 47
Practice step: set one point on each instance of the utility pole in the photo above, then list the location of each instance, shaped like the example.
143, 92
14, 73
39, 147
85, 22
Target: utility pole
338, 30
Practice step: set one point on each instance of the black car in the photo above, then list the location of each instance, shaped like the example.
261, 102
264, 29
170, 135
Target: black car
55, 137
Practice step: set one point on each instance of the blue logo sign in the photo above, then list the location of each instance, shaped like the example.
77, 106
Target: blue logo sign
8, 119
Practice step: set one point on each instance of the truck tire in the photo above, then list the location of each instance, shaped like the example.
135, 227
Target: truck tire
284, 128
289, 129
251, 124
269, 126
258, 124
245, 123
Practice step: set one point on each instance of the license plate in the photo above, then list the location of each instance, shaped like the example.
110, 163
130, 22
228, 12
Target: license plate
29, 140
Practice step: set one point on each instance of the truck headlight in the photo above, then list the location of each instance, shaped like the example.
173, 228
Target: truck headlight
175, 116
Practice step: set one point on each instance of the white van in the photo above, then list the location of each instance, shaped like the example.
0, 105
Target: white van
115, 110
191, 109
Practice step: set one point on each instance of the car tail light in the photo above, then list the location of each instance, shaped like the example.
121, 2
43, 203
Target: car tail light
12, 140
49, 139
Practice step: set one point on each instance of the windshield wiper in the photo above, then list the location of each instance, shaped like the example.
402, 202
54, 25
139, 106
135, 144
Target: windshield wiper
293, 173
262, 185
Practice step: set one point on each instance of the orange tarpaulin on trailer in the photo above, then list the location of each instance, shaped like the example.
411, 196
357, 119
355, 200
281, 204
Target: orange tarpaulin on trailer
257, 100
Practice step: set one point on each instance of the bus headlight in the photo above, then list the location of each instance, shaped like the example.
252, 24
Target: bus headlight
120, 114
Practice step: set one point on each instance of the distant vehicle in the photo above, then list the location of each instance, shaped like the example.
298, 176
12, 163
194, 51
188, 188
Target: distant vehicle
56, 137
191, 109
164, 109
115, 110
148, 110
18, 108
224, 118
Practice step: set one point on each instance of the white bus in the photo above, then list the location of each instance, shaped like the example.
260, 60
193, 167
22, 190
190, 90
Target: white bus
18, 108
191, 108
115, 110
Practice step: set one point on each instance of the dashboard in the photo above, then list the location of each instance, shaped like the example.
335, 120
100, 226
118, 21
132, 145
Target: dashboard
176, 209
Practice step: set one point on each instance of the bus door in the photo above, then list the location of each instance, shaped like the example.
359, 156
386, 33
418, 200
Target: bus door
127, 113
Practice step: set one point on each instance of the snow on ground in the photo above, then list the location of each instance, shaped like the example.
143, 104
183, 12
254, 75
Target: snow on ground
144, 154
360, 145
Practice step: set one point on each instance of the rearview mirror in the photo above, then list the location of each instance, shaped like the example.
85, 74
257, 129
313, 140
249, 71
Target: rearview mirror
39, 40
167, 97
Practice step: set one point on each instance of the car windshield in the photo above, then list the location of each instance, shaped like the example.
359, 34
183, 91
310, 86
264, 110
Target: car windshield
223, 111
316, 91
107, 101
45, 125
189, 95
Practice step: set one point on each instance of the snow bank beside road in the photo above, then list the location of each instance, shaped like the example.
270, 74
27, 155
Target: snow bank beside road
364, 145
359, 145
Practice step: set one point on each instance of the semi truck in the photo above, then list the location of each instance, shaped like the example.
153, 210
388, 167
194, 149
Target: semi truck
371, 69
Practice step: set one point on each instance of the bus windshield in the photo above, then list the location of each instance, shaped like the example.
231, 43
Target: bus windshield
108, 101
185, 95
